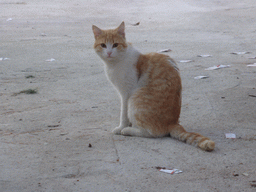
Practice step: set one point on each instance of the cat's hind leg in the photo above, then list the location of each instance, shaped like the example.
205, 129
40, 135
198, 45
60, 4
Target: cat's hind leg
133, 131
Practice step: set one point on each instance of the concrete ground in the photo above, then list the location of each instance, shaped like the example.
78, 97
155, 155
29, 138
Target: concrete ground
60, 138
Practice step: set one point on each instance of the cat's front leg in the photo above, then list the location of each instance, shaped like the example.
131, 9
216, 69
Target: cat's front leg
124, 121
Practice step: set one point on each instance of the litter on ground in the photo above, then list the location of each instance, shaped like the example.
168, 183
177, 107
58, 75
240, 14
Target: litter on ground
4, 58
240, 53
170, 171
217, 67
252, 65
136, 24
230, 135
204, 56
164, 50
201, 77
50, 60
245, 174
185, 61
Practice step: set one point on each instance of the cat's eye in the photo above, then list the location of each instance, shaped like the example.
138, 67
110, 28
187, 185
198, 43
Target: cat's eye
103, 45
115, 45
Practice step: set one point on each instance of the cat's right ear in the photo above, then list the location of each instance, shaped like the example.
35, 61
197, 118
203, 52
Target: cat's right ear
120, 30
97, 31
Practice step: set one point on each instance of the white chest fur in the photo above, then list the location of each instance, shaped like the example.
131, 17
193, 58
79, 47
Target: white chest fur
122, 73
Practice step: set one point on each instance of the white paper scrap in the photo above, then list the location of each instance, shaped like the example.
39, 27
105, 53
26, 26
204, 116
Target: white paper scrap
185, 61
204, 56
167, 171
201, 77
4, 58
164, 50
240, 53
9, 19
245, 174
217, 67
170, 171
252, 65
50, 60
230, 135
177, 171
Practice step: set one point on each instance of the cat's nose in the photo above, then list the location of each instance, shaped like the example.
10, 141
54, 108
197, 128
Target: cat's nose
109, 53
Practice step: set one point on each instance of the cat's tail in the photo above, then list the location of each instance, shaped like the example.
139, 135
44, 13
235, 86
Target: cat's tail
178, 132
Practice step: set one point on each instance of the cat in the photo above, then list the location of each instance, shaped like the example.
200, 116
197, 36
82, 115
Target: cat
149, 86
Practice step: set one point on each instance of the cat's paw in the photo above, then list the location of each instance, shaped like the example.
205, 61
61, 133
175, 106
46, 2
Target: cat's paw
131, 131
126, 131
117, 130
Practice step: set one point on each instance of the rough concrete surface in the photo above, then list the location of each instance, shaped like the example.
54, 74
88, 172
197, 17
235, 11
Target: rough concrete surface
45, 137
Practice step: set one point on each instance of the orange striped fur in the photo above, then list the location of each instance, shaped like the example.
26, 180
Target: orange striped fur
149, 87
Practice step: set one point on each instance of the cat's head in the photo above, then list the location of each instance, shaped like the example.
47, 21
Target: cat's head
110, 44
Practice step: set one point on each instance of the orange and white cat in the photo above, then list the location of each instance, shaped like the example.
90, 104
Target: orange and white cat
149, 86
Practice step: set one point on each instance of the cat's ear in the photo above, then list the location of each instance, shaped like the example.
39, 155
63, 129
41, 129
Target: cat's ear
120, 30
97, 31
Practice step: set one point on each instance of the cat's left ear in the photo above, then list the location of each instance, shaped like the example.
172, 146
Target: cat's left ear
120, 30
97, 31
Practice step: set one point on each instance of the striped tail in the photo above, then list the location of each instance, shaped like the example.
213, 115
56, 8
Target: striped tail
178, 132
